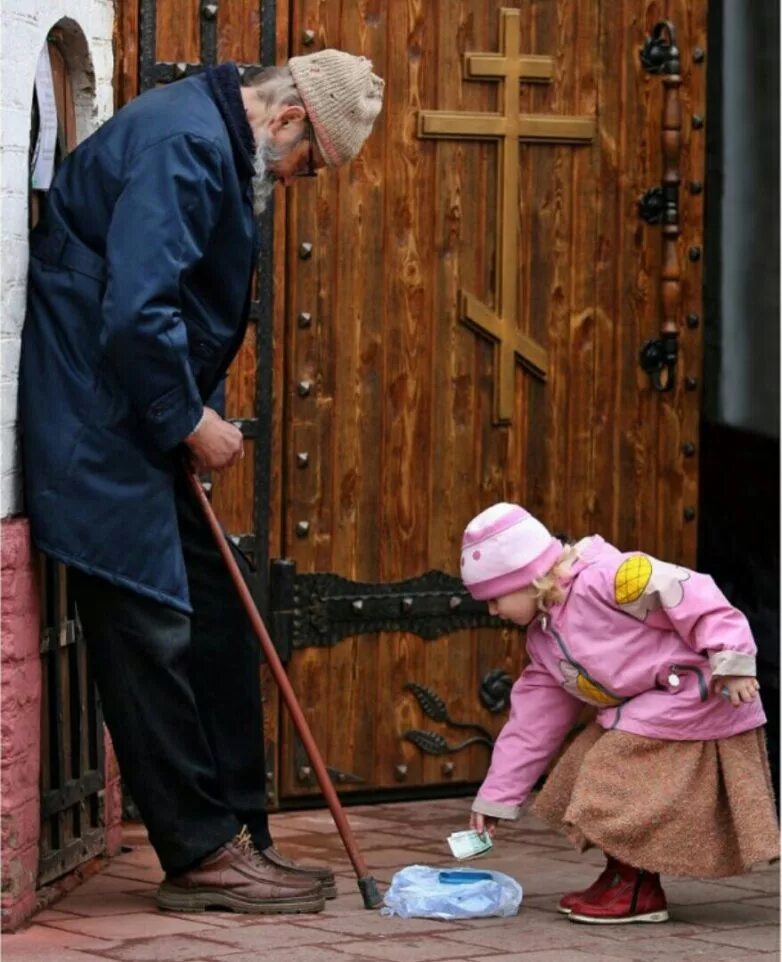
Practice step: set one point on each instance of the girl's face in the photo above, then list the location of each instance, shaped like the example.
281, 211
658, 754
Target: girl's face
519, 606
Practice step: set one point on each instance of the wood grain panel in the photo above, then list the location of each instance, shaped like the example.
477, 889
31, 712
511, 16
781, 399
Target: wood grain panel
239, 31
177, 31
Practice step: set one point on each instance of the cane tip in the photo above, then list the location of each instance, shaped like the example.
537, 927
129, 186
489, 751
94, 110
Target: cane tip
370, 892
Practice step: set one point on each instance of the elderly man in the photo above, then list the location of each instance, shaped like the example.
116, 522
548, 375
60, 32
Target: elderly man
139, 290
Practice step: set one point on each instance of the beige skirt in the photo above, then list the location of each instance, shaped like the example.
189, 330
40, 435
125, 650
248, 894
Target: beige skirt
702, 809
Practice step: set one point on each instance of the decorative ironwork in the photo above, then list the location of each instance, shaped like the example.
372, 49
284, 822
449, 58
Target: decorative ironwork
494, 692
435, 708
651, 206
315, 610
658, 357
660, 48
433, 743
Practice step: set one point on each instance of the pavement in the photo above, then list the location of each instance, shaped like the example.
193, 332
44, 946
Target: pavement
112, 916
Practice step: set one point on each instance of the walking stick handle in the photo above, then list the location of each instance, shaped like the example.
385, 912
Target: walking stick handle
366, 883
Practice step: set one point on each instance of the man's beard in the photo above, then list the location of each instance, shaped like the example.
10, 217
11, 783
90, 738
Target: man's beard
263, 179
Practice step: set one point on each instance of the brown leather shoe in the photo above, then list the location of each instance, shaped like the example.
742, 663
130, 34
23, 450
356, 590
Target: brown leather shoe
320, 873
236, 878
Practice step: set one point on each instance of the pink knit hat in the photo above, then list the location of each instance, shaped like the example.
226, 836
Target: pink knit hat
505, 549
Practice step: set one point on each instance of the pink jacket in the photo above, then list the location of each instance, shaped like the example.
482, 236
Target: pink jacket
638, 638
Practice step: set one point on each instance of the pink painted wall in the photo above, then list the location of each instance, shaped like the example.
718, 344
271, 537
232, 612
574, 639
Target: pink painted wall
20, 722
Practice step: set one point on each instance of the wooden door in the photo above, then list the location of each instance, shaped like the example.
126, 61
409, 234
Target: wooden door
382, 411
401, 421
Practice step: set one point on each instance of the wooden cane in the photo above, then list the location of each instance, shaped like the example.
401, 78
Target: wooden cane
366, 883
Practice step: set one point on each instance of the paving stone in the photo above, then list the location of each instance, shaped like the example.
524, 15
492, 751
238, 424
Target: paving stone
680, 891
363, 924
552, 955
686, 949
726, 914
136, 924
272, 937
296, 953
53, 915
32, 952
425, 949
761, 938
38, 938
525, 933
98, 903
170, 948
105, 882
113, 916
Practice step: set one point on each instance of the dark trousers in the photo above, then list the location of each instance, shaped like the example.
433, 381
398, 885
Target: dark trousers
181, 699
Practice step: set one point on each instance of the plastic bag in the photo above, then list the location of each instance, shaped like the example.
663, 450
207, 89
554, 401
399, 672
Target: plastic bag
418, 892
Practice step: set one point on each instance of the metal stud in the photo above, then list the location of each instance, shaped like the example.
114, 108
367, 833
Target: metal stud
302, 529
209, 11
698, 55
305, 251
688, 449
304, 773
304, 319
454, 602
180, 69
690, 383
302, 459
689, 513
694, 253
696, 187
400, 772
358, 604
693, 320
305, 388
407, 604
447, 768
308, 37
697, 122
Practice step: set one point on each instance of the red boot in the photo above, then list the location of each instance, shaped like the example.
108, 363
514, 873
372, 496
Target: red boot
632, 896
601, 883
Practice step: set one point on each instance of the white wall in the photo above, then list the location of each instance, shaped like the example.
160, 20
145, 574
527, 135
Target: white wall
24, 25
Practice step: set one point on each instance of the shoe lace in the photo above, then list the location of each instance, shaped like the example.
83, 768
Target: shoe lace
244, 842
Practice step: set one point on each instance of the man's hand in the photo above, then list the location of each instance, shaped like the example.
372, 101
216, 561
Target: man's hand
740, 688
215, 443
483, 823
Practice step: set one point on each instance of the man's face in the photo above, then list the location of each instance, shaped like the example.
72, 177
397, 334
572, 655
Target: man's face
293, 152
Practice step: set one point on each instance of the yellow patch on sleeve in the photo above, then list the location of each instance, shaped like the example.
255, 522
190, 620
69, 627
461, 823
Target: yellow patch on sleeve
632, 577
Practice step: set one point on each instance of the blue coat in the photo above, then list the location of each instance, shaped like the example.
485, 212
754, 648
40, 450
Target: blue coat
139, 290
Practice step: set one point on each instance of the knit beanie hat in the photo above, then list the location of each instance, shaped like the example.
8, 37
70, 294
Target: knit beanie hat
505, 549
342, 97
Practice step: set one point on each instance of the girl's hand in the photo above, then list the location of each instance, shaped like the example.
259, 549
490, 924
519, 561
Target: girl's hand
740, 688
483, 823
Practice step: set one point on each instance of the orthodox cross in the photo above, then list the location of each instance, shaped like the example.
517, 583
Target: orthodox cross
510, 67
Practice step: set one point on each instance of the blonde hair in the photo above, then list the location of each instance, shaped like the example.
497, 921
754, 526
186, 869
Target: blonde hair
550, 587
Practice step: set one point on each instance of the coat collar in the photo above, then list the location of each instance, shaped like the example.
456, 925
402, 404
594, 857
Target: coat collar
224, 84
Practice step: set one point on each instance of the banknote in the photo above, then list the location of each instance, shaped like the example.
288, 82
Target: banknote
468, 844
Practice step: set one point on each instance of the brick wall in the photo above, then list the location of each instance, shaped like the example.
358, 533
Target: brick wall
24, 25
20, 723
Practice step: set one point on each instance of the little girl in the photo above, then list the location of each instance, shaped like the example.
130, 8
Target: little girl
673, 775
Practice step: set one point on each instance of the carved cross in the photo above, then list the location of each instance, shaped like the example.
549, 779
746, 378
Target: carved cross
509, 67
